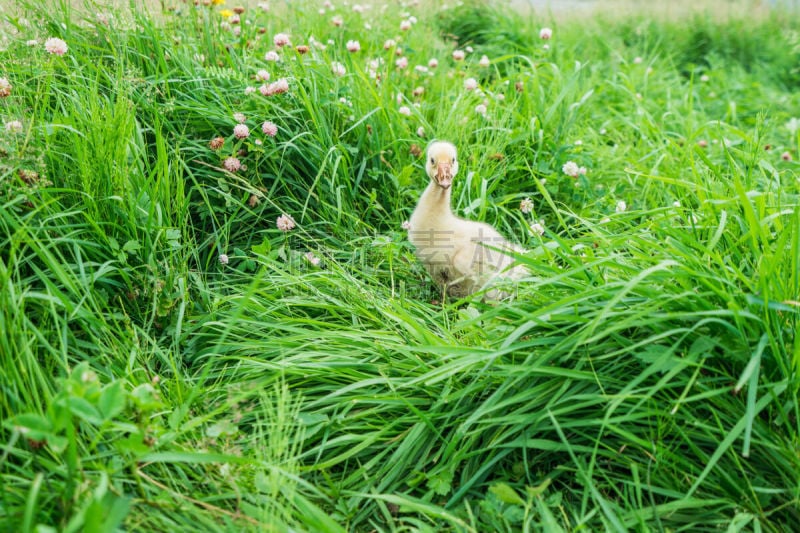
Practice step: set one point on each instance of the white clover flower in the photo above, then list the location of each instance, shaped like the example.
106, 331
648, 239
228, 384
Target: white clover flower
571, 168
241, 131
55, 46
311, 258
285, 223
338, 69
14, 126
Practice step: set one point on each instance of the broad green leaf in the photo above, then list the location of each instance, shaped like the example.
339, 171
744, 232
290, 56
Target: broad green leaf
506, 494
81, 408
112, 399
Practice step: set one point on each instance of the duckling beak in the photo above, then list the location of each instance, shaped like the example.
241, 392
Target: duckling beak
444, 175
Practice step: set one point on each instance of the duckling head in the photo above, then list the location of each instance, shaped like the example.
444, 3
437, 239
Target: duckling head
441, 164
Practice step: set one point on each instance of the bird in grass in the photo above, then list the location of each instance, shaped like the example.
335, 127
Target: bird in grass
462, 256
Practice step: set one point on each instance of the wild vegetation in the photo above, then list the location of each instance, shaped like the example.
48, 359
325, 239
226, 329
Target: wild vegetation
211, 318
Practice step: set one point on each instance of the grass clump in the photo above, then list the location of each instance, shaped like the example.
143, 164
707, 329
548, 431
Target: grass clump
175, 359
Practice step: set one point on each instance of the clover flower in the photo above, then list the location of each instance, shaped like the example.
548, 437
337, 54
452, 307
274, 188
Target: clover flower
55, 46
458, 55
277, 87
572, 169
241, 131
14, 126
338, 69
5, 87
281, 40
232, 164
269, 128
470, 84
285, 223
526, 205
353, 46
537, 229
545, 34
311, 258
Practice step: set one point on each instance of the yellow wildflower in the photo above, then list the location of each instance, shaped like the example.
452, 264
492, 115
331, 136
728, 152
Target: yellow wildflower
218, 2
226, 12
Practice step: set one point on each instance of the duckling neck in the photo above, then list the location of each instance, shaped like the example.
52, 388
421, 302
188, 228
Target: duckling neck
436, 201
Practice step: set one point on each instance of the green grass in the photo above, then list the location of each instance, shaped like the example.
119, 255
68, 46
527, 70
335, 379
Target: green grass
644, 378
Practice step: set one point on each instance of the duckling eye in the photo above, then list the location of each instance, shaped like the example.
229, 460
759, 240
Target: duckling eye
433, 161
454, 161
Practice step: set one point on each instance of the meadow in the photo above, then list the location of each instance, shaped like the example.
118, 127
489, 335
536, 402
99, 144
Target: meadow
211, 318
